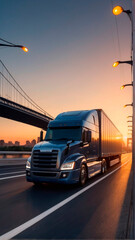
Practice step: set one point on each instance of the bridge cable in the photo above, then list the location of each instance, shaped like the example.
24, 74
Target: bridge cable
30, 100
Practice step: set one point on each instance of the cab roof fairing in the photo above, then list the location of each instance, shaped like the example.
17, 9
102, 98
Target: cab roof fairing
75, 115
73, 119
64, 124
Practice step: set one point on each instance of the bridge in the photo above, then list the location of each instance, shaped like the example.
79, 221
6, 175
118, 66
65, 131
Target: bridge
16, 105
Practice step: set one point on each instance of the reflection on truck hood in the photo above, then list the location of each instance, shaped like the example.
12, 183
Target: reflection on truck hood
54, 145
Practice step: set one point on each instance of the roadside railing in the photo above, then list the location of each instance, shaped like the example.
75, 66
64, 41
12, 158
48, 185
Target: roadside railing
14, 154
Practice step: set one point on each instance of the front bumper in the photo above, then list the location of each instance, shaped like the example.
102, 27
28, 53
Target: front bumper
66, 177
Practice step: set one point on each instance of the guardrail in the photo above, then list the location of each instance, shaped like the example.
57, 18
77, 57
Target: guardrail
12, 154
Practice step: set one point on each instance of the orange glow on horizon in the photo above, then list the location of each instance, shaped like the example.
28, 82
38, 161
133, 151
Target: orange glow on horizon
118, 138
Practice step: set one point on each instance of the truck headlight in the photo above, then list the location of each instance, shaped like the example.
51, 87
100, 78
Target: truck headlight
28, 163
67, 166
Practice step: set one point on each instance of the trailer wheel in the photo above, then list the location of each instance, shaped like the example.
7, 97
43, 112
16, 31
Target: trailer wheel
103, 166
83, 175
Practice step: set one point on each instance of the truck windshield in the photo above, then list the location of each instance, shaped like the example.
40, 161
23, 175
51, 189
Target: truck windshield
64, 133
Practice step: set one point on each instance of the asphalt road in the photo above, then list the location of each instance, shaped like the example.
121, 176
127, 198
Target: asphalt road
99, 210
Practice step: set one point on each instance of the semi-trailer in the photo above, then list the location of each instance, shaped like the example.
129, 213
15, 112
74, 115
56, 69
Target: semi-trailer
77, 146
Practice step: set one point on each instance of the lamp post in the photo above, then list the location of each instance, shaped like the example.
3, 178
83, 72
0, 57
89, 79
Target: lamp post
115, 64
126, 85
128, 105
9, 44
116, 11
133, 133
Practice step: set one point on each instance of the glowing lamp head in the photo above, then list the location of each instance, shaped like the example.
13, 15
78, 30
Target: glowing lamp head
24, 49
115, 64
122, 87
125, 106
117, 10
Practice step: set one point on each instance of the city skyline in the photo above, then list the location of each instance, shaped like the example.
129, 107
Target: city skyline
31, 143
72, 46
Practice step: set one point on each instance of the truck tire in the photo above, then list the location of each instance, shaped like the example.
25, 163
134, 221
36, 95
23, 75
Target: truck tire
103, 166
83, 175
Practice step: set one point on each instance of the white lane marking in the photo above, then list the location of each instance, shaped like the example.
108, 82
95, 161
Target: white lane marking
24, 226
21, 175
11, 173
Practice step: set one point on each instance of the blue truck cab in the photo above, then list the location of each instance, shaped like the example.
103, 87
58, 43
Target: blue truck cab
71, 151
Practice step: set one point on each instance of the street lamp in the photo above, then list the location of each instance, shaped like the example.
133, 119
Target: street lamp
128, 105
129, 116
125, 85
115, 64
9, 44
118, 10
18, 46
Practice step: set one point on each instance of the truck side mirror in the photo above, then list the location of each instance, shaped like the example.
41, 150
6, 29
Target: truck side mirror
89, 136
41, 136
86, 138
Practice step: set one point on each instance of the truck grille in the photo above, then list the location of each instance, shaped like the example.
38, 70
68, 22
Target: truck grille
45, 174
44, 160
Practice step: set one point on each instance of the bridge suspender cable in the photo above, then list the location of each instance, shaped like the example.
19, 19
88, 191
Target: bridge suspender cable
25, 96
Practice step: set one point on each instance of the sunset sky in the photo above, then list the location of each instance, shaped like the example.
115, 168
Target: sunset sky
72, 46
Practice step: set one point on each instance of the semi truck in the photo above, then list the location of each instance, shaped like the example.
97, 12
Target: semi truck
77, 146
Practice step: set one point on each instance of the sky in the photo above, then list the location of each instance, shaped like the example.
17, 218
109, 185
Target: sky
72, 46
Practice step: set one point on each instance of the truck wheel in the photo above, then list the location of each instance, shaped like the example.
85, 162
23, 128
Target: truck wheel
83, 175
103, 167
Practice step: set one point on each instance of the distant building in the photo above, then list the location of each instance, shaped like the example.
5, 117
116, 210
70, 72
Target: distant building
17, 143
33, 142
2, 143
10, 143
28, 144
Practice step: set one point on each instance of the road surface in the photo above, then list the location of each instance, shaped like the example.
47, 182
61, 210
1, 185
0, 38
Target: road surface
99, 210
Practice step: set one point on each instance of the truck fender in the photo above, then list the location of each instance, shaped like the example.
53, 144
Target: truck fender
78, 158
